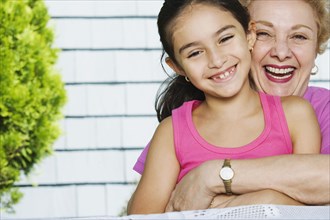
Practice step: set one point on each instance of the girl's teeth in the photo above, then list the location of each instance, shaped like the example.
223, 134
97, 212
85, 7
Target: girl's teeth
224, 75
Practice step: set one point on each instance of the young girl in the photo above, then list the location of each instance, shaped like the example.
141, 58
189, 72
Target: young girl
213, 111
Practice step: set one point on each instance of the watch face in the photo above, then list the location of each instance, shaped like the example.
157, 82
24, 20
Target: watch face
226, 173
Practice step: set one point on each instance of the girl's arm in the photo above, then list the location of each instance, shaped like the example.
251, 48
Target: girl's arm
160, 174
303, 125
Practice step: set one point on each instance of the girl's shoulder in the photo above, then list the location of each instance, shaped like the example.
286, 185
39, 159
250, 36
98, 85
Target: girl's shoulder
294, 101
296, 107
166, 123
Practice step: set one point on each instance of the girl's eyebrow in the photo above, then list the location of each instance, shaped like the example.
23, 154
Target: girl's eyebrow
186, 46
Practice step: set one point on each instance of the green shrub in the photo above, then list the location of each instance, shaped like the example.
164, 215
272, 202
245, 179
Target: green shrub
32, 93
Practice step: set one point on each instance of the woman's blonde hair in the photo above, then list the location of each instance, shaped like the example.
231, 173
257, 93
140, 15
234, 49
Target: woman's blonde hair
321, 10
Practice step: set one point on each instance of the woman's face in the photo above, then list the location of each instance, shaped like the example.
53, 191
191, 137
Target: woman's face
285, 50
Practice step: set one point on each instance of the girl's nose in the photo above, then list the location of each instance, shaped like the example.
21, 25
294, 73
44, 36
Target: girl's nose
216, 60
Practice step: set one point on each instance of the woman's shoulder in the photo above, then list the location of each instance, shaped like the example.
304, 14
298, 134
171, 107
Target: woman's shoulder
317, 89
319, 99
316, 93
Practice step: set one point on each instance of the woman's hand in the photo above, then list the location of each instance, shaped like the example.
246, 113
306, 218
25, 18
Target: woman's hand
197, 189
267, 196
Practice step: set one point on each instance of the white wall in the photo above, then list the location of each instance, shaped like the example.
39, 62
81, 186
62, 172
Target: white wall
110, 63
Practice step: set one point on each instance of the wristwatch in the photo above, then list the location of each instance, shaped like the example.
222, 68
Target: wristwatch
227, 174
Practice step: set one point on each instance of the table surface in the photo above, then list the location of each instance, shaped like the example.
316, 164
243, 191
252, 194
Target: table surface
246, 212
239, 212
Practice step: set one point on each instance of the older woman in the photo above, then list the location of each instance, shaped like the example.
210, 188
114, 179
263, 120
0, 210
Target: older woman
284, 54
289, 36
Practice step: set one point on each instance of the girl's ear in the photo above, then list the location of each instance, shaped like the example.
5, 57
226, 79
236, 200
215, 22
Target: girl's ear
251, 36
177, 69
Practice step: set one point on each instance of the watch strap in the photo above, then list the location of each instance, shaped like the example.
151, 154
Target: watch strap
227, 183
226, 163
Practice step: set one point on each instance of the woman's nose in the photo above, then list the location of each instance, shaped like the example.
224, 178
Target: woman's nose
281, 49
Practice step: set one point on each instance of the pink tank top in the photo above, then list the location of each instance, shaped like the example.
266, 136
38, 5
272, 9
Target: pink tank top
192, 150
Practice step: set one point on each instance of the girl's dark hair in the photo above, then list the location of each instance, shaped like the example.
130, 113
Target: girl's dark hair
176, 90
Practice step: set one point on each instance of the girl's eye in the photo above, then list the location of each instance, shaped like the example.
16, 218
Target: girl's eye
195, 53
225, 39
262, 35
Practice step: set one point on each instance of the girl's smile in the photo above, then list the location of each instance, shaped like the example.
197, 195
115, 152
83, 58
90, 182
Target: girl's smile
225, 75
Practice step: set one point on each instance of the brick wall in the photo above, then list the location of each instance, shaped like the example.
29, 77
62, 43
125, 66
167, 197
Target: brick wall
110, 64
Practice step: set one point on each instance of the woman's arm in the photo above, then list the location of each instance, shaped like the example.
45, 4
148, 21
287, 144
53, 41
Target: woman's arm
305, 178
160, 174
267, 196
285, 183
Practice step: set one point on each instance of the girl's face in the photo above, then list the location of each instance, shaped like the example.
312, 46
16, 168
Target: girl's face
285, 50
212, 50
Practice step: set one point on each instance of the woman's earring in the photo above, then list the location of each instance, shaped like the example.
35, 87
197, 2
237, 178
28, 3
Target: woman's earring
187, 79
315, 70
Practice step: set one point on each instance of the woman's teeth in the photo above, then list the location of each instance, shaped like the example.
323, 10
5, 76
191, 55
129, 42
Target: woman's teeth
279, 75
279, 71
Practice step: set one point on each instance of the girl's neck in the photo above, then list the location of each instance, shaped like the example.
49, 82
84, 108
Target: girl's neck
243, 103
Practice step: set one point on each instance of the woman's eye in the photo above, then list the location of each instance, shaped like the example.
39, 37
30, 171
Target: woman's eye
224, 39
299, 37
261, 35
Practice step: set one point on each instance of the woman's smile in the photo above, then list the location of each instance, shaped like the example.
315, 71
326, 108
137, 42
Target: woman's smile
279, 74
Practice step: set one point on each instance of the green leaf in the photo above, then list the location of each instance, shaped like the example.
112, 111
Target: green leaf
32, 93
